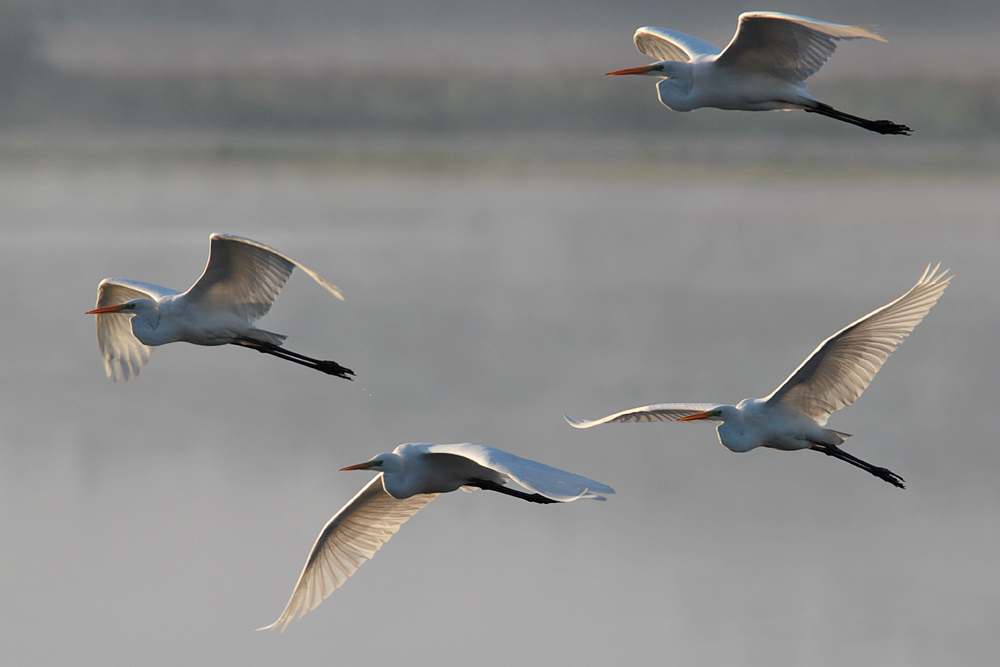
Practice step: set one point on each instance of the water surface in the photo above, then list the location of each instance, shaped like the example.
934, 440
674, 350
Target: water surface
160, 521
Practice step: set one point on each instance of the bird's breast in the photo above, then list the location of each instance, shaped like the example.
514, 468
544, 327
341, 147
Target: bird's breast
733, 435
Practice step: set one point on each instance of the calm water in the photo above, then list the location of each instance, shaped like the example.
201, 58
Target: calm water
159, 521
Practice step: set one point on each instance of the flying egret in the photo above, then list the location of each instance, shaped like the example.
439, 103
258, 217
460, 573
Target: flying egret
763, 68
240, 282
833, 377
412, 476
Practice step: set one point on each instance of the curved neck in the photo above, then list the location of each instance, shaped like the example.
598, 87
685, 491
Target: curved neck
145, 320
674, 89
394, 476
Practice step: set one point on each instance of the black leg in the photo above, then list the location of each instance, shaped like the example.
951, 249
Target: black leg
881, 473
328, 367
500, 488
880, 126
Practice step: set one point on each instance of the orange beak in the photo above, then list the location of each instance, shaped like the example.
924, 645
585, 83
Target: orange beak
106, 309
699, 415
630, 70
361, 466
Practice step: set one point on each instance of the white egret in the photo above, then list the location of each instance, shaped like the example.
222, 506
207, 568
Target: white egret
793, 415
764, 67
240, 282
411, 476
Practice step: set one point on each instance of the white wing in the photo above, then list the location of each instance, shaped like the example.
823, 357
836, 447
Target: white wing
790, 48
122, 352
245, 277
663, 44
842, 366
661, 412
350, 538
532, 475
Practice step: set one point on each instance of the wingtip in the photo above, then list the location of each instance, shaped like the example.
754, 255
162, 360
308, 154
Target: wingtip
871, 32
326, 284
274, 625
594, 495
933, 275
576, 423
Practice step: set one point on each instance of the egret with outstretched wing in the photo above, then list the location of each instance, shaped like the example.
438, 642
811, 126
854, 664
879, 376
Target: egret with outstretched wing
833, 377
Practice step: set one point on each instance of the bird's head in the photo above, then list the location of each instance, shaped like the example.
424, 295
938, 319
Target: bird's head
133, 307
387, 462
713, 415
663, 69
126, 308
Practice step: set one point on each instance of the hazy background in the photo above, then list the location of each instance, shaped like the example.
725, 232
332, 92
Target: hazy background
517, 238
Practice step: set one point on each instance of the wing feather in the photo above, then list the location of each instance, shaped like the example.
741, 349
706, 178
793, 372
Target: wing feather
790, 48
663, 44
122, 352
661, 412
245, 277
350, 538
844, 364
532, 475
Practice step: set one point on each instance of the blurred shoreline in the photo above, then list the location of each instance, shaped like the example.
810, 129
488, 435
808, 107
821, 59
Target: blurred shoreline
624, 156
497, 99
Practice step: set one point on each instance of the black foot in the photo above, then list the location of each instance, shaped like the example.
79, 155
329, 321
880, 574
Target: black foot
889, 476
888, 127
333, 368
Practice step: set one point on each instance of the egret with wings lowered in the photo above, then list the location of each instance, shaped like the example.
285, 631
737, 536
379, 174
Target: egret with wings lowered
411, 476
240, 282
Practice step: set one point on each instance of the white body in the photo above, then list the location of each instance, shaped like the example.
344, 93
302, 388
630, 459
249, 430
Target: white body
793, 416
753, 423
177, 318
241, 280
704, 84
411, 476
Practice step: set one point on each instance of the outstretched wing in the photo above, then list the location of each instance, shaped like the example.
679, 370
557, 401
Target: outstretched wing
789, 48
661, 412
532, 475
245, 277
842, 366
663, 44
122, 352
350, 538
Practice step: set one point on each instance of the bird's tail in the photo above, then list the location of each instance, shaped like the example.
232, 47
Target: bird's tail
267, 337
835, 437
